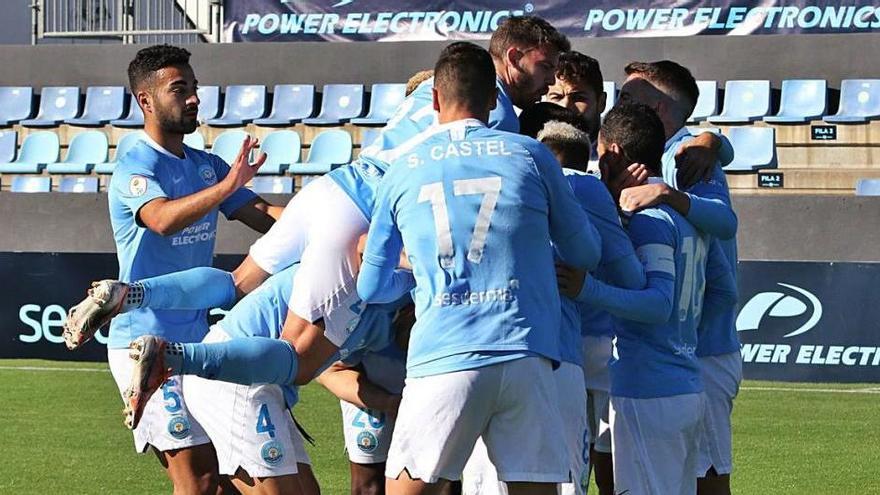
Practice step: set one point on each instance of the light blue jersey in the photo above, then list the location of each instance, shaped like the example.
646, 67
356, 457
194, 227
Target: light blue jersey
476, 209
711, 211
145, 173
416, 114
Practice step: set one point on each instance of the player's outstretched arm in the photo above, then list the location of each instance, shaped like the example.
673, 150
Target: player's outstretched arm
351, 385
258, 214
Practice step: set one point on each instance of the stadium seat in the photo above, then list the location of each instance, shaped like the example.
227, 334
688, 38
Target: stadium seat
8, 141
291, 103
707, 103
384, 100
368, 135
754, 148
195, 140
85, 151
135, 117
103, 104
329, 150
341, 103
209, 102
31, 184
125, 143
744, 102
15, 104
282, 149
610, 89
78, 185
802, 100
859, 102
57, 104
243, 104
228, 144
37, 150
272, 185
868, 187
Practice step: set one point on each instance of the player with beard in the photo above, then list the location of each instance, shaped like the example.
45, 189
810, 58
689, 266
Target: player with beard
164, 198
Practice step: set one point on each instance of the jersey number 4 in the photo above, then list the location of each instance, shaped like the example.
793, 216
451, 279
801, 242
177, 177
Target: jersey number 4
489, 187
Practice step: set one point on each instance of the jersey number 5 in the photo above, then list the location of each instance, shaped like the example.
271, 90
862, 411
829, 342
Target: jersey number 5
489, 187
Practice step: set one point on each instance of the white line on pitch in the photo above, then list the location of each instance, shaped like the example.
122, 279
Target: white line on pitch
816, 390
41, 368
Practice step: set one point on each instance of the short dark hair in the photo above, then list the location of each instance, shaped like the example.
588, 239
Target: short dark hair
526, 32
465, 73
151, 59
577, 68
533, 118
637, 129
673, 77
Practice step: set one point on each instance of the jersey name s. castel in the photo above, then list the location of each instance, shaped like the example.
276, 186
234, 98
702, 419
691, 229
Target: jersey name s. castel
145, 173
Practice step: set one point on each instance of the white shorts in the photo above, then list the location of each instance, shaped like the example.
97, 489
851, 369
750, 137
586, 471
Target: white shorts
655, 444
367, 433
597, 354
597, 414
250, 426
167, 423
320, 227
721, 378
512, 405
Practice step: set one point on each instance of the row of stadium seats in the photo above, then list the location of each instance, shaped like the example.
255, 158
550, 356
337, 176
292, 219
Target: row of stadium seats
745, 101
89, 151
243, 104
44, 184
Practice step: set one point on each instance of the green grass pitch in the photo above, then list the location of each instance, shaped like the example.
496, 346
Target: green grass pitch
61, 432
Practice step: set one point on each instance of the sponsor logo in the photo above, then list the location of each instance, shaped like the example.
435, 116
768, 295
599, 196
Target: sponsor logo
272, 452
780, 305
367, 442
194, 234
137, 186
178, 427
47, 323
342, 3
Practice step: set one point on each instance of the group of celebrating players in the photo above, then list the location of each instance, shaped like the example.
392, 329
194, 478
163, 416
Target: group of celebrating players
494, 318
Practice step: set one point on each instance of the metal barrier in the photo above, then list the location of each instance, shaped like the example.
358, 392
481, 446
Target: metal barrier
128, 21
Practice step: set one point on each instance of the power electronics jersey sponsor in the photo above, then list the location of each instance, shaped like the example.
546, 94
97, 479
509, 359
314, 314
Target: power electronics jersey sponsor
144, 174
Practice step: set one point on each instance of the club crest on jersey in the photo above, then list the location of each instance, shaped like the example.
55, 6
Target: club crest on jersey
206, 172
272, 452
368, 169
137, 186
179, 427
367, 442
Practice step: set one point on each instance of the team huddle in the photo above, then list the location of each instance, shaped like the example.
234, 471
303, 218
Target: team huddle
505, 293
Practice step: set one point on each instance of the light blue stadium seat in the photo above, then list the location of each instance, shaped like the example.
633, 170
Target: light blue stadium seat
754, 148
868, 187
859, 102
103, 104
195, 140
340, 103
368, 135
8, 143
37, 150
228, 144
57, 104
125, 143
610, 89
31, 184
243, 104
282, 149
290, 104
85, 151
707, 103
744, 101
134, 119
78, 185
272, 185
209, 102
384, 100
802, 100
329, 150
15, 104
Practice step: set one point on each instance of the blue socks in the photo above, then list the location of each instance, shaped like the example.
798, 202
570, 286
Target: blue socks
246, 361
196, 288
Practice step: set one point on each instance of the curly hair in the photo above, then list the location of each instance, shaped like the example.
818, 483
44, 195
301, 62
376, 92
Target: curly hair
577, 68
151, 59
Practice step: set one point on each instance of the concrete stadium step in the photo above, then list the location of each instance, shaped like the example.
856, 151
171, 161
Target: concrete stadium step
867, 134
804, 180
829, 157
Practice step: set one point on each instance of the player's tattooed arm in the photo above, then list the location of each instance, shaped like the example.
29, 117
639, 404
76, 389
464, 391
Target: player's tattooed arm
258, 214
352, 385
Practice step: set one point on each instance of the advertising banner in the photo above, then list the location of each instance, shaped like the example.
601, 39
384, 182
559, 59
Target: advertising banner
407, 20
